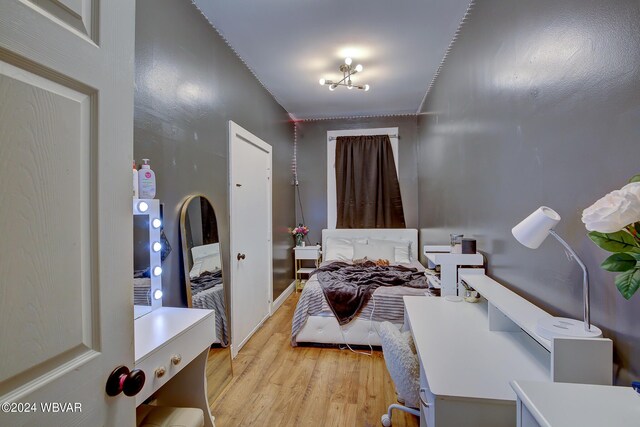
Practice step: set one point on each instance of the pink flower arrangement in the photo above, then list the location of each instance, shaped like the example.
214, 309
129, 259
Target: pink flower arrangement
300, 229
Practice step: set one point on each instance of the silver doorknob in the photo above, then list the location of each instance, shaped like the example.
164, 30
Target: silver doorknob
241, 256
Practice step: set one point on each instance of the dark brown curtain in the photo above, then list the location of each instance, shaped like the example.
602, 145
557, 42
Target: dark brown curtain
209, 223
367, 188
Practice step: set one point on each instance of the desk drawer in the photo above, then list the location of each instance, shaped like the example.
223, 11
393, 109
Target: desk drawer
427, 402
189, 344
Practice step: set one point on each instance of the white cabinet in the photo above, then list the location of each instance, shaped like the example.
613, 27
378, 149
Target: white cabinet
171, 348
302, 254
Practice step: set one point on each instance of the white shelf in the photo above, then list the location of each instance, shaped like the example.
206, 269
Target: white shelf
457, 259
512, 305
571, 359
305, 270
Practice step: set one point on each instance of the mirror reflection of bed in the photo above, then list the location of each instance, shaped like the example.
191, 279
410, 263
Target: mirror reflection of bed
204, 287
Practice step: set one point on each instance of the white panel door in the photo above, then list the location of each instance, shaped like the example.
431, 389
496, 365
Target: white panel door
251, 259
66, 122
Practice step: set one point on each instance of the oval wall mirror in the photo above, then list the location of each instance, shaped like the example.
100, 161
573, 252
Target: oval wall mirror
204, 285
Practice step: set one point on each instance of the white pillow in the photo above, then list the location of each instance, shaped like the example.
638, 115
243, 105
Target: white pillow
402, 249
205, 258
374, 252
199, 252
340, 249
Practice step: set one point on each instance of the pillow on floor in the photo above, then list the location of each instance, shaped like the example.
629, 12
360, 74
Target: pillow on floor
402, 362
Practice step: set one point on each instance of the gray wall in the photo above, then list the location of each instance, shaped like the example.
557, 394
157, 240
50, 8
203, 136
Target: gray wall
537, 104
312, 166
188, 85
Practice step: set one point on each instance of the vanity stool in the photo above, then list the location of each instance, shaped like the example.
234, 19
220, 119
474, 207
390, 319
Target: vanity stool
164, 416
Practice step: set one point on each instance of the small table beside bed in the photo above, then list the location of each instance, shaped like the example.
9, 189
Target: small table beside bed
355, 259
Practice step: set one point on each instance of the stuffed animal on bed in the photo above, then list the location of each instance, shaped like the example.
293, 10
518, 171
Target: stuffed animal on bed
378, 262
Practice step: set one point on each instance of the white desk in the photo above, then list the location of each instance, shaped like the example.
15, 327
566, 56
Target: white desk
560, 404
469, 353
466, 368
171, 348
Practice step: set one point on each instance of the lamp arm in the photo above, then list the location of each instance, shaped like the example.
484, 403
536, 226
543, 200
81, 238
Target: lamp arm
585, 279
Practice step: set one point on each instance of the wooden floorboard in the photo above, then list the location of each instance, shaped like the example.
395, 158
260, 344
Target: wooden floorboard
275, 384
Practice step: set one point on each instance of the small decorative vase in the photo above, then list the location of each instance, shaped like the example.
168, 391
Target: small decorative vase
299, 238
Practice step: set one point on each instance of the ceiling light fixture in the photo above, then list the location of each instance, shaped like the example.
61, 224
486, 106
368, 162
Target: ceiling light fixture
347, 72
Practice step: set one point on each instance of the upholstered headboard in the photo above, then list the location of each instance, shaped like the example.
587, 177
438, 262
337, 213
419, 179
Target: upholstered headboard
410, 234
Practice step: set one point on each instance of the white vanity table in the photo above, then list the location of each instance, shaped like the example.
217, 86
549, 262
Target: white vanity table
171, 348
469, 353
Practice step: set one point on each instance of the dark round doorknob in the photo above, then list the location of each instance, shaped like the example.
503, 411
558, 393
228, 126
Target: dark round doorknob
241, 256
124, 381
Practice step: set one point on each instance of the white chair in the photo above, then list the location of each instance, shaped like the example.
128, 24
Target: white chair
402, 363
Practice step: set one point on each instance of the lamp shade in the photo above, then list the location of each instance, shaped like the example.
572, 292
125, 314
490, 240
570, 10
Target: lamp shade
532, 230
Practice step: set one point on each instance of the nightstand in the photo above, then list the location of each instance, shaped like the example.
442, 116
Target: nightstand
304, 255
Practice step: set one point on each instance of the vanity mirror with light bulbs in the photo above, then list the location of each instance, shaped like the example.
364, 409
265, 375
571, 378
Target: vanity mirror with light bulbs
147, 256
171, 344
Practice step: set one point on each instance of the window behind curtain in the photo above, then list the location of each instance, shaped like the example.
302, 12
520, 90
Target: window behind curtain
367, 187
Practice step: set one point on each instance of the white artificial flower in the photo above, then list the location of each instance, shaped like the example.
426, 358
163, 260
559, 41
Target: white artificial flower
614, 211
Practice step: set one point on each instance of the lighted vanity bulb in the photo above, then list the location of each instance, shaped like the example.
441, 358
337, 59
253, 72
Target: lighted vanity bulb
156, 223
157, 294
143, 206
157, 246
157, 271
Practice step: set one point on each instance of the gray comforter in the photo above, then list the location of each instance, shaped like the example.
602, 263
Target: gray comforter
347, 287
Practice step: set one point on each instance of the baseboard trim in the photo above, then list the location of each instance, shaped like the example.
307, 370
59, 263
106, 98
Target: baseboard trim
283, 296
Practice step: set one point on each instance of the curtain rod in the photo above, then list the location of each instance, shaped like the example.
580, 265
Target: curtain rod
333, 138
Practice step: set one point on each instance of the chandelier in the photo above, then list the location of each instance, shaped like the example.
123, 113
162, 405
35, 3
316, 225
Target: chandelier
347, 71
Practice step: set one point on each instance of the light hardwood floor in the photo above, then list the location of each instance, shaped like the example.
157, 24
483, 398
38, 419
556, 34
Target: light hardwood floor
275, 384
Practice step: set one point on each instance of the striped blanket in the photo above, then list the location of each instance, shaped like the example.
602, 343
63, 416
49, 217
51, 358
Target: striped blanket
213, 299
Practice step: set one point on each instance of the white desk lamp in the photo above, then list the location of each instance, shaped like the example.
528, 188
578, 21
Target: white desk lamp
531, 232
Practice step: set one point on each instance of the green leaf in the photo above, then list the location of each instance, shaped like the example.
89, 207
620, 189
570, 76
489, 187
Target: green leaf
628, 282
635, 178
620, 241
620, 262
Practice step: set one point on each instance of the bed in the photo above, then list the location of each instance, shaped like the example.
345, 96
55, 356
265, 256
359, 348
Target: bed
207, 288
315, 322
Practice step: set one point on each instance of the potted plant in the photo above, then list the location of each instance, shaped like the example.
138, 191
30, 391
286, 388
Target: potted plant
614, 225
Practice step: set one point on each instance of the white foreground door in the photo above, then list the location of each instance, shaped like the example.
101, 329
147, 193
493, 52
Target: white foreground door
251, 258
66, 124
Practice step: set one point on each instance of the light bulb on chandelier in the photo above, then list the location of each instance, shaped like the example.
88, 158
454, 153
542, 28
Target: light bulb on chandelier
347, 71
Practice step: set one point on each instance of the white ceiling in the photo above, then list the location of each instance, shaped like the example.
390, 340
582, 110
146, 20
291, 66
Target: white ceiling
291, 44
